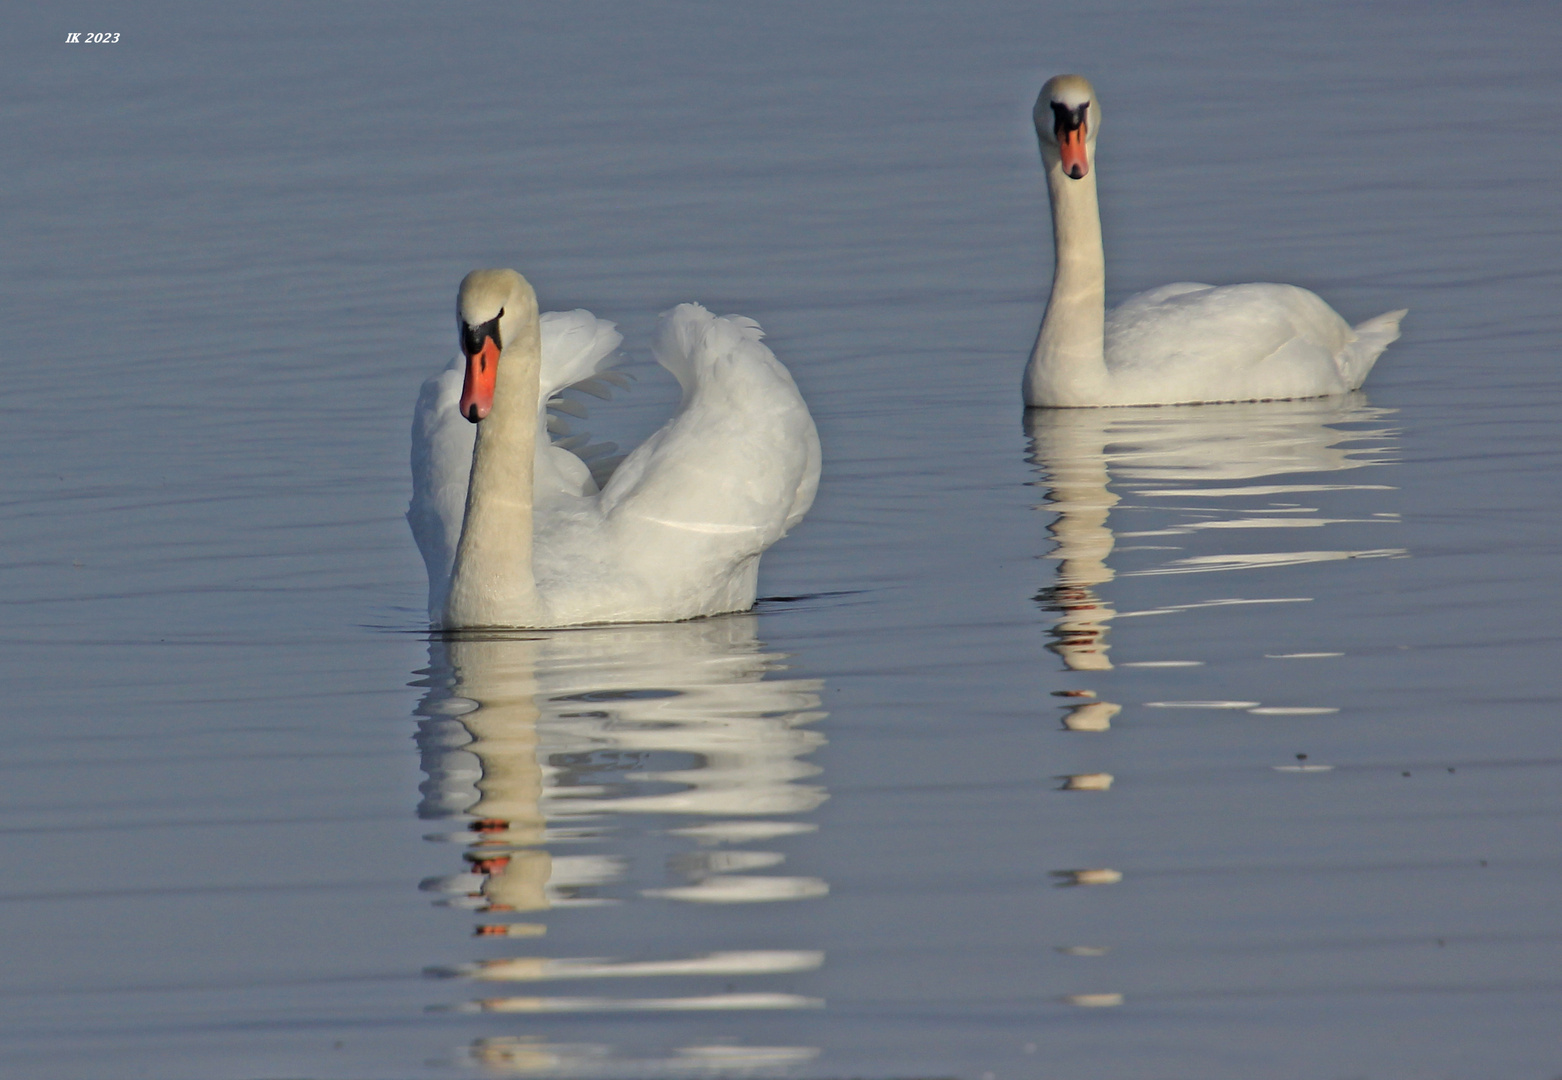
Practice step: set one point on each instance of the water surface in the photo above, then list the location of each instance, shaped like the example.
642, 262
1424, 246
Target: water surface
880, 827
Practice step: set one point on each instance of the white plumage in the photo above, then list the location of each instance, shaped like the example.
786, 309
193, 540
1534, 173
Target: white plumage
1193, 342
677, 528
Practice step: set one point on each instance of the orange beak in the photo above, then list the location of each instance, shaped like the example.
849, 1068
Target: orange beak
477, 391
1076, 160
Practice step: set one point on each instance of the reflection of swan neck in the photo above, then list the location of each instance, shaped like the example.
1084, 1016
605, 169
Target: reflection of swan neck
1075, 460
1072, 449
492, 582
1068, 365
1082, 534
500, 676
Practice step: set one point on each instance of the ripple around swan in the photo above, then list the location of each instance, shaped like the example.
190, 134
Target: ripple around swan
602, 770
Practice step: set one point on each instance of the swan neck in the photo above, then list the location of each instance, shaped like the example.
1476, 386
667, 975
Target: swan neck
492, 583
1068, 366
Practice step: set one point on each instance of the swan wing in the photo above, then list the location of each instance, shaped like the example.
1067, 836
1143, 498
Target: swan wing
679, 527
1188, 342
741, 453
576, 345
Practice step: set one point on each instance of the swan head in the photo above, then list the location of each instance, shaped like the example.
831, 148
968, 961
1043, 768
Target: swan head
492, 309
1067, 116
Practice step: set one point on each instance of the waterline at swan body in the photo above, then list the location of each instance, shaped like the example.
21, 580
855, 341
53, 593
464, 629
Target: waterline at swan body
513, 528
1179, 344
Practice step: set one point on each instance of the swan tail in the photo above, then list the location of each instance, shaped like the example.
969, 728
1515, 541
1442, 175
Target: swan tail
1372, 337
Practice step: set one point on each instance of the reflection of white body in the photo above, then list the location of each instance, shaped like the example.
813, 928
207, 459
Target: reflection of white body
745, 730
1178, 344
698, 690
548, 741
513, 529
1213, 451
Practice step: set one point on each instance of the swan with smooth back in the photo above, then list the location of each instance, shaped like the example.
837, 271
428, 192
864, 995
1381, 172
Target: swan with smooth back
513, 527
1180, 344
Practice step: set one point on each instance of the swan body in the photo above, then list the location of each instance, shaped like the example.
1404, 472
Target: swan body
1178, 344
513, 527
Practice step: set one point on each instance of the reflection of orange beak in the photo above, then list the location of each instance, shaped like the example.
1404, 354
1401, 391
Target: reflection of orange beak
477, 392
1076, 161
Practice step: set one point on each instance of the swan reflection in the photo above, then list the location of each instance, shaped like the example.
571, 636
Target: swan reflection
1154, 493
1094, 459
606, 770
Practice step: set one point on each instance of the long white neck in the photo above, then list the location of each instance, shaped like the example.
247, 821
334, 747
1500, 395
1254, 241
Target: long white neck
1068, 366
492, 582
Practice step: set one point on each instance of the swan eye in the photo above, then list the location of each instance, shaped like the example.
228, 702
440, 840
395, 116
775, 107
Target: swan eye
472, 337
1067, 118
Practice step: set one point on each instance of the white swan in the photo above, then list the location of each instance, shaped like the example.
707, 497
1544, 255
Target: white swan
512, 526
1178, 344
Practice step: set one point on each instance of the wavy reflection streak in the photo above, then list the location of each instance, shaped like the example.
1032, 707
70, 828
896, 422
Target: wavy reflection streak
1189, 453
576, 760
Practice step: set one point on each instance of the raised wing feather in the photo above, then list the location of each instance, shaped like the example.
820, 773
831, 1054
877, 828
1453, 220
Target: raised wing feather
682, 522
576, 345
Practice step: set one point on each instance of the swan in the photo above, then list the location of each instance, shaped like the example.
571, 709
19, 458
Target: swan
513, 528
1179, 344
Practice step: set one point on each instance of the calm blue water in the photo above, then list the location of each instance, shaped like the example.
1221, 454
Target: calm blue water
1296, 814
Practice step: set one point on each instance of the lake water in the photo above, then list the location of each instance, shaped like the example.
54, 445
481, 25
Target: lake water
1209, 742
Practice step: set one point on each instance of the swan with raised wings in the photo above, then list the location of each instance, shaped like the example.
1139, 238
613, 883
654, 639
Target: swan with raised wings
1178, 344
513, 527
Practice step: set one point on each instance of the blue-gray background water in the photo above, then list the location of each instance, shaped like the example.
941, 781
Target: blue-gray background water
1308, 824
